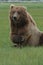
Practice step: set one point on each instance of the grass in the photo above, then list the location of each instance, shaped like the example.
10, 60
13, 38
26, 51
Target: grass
15, 56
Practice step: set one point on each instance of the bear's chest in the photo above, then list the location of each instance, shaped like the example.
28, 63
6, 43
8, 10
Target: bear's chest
20, 30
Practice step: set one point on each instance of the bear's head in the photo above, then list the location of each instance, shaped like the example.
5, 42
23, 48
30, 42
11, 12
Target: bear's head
18, 14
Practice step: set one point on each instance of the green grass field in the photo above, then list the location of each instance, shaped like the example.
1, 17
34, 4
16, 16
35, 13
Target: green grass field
19, 56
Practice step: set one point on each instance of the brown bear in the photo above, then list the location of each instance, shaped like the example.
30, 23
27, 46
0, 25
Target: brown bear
24, 30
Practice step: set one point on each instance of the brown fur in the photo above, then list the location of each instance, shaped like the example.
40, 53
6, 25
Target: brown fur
24, 30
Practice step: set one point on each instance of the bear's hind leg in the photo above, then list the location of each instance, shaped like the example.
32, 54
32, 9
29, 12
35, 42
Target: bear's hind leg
41, 40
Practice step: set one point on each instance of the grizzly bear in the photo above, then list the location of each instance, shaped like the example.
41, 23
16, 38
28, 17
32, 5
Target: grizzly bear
24, 30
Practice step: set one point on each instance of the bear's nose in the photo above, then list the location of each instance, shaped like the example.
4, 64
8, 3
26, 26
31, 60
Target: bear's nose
15, 18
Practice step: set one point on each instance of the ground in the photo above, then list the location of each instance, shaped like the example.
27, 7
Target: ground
15, 56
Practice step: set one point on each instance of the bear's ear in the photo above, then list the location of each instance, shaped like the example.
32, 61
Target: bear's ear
11, 6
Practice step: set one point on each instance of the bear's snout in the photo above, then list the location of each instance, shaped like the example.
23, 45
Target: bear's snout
15, 16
